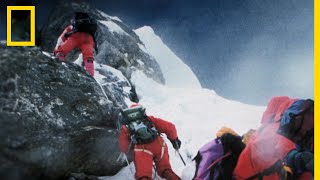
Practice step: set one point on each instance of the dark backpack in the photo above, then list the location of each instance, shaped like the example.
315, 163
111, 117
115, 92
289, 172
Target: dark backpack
141, 129
297, 123
82, 22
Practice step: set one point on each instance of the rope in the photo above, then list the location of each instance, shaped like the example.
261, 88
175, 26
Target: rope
114, 102
155, 172
125, 156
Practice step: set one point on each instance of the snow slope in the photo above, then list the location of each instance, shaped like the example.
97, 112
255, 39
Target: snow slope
113, 27
175, 71
197, 112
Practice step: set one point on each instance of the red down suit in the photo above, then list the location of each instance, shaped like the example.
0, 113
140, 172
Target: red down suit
156, 151
69, 40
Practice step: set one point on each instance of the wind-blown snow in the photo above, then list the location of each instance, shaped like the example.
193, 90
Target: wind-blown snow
113, 27
198, 113
115, 18
175, 71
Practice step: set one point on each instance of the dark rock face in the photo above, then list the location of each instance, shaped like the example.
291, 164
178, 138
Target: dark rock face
118, 46
54, 119
57, 121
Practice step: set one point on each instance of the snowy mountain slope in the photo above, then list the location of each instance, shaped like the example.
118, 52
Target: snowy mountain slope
115, 18
176, 72
197, 112
113, 27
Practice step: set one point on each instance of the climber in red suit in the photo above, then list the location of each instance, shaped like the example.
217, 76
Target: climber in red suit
157, 150
72, 38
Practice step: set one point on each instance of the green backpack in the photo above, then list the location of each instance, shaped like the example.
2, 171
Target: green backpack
141, 129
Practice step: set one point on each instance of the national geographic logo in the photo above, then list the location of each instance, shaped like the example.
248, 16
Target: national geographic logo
20, 32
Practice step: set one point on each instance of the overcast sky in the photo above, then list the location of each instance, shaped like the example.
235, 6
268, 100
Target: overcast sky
246, 50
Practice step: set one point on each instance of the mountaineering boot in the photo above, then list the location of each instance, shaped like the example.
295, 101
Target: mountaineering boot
60, 56
88, 64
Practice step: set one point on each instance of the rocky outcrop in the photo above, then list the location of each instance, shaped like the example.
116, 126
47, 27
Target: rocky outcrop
118, 46
54, 119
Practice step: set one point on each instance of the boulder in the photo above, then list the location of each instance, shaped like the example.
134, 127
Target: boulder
54, 119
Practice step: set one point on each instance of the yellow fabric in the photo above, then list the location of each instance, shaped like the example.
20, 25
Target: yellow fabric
287, 172
287, 169
224, 130
247, 135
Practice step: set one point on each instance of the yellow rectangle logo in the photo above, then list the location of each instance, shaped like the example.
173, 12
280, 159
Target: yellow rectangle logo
32, 26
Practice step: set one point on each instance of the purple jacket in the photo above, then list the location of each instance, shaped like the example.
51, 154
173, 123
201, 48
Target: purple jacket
209, 153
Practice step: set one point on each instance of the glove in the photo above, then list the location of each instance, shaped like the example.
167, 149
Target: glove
300, 161
176, 143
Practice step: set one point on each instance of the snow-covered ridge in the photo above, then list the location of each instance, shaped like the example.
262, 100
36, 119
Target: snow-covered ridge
115, 18
113, 27
175, 71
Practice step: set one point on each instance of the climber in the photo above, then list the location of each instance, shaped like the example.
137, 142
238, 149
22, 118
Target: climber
297, 124
218, 158
271, 152
143, 132
80, 34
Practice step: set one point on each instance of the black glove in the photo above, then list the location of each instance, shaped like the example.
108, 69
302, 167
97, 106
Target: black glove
176, 143
301, 161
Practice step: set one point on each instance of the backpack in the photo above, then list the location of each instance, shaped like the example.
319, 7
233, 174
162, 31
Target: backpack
206, 155
297, 123
217, 159
141, 129
82, 22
